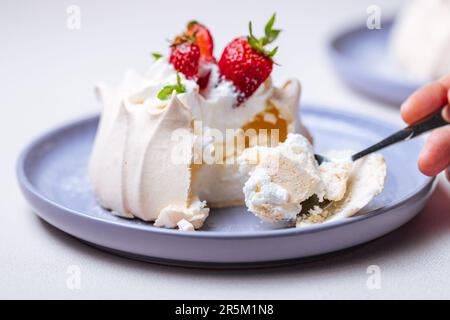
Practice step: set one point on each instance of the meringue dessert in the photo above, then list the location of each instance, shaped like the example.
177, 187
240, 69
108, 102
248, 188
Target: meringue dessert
420, 39
179, 139
287, 185
166, 148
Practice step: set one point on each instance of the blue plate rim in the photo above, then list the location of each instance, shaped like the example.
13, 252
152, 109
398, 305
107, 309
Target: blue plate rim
27, 187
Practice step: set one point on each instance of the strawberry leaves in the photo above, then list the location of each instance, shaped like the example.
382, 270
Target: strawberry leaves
182, 39
270, 32
270, 35
167, 91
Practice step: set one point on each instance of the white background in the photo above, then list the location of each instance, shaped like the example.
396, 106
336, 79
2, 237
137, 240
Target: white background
47, 76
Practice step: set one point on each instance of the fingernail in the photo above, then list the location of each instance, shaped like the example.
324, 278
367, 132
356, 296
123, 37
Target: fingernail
446, 113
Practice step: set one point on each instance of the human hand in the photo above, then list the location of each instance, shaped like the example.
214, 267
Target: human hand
435, 155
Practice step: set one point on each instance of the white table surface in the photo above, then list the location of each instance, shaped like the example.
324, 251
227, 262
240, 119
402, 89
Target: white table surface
47, 75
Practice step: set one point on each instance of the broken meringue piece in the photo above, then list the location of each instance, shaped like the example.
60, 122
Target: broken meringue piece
366, 181
189, 217
281, 178
285, 178
185, 225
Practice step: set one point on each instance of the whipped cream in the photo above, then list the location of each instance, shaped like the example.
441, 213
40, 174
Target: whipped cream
420, 39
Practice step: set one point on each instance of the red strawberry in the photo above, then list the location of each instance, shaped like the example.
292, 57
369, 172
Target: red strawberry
205, 42
245, 67
191, 50
185, 57
203, 39
247, 63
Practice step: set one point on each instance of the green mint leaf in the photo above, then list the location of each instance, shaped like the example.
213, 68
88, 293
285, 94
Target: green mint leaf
167, 91
180, 88
179, 80
156, 55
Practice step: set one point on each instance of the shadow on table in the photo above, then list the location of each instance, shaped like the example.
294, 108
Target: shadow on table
427, 227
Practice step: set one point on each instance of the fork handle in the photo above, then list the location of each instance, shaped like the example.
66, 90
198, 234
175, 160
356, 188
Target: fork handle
434, 121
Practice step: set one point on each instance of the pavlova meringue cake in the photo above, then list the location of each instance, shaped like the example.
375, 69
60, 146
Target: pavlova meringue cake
420, 39
172, 142
133, 167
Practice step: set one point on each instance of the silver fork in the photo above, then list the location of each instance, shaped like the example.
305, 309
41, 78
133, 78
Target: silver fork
436, 120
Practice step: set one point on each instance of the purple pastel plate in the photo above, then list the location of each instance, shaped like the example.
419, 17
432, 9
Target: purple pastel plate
361, 58
52, 175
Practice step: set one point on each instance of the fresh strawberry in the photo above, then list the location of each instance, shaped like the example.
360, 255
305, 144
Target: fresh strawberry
245, 67
205, 42
191, 51
203, 39
185, 57
246, 62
